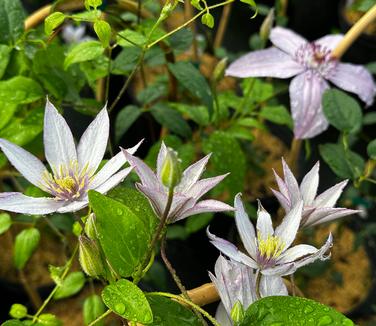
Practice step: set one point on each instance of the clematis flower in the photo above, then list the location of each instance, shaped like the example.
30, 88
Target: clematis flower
75, 34
317, 209
236, 283
186, 193
268, 249
313, 66
73, 171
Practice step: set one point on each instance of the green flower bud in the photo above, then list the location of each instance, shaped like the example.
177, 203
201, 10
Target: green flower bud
90, 228
237, 313
219, 70
18, 311
90, 257
267, 25
171, 169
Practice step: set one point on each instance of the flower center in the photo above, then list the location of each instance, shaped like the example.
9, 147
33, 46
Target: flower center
67, 182
317, 58
269, 250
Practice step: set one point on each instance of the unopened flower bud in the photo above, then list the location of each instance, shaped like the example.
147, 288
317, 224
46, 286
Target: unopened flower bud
90, 228
237, 313
90, 257
171, 169
219, 70
267, 25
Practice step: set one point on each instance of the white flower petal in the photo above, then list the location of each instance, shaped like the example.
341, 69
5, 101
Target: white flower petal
282, 200
329, 197
201, 187
270, 62
222, 317
286, 40
157, 198
113, 181
308, 186
27, 164
93, 142
160, 159
287, 230
306, 92
323, 215
19, 203
280, 270
191, 174
355, 79
281, 185
292, 186
272, 285
58, 140
111, 167
74, 206
204, 206
245, 227
294, 253
330, 42
264, 224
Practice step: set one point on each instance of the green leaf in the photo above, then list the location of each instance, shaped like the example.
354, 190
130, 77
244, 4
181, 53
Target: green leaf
13, 322
181, 40
82, 52
123, 235
18, 311
48, 320
126, 117
130, 38
252, 3
342, 111
345, 164
71, 285
12, 18
5, 222
93, 308
227, 156
371, 150
5, 52
20, 90
103, 31
208, 20
92, 3
193, 81
285, 310
277, 114
167, 312
53, 21
7, 111
198, 113
369, 118
171, 119
127, 300
26, 243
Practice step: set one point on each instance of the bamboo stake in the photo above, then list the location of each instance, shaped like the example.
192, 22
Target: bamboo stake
222, 26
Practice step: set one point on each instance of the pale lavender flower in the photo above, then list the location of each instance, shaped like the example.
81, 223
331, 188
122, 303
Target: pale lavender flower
186, 193
75, 34
236, 282
313, 66
73, 170
268, 249
317, 209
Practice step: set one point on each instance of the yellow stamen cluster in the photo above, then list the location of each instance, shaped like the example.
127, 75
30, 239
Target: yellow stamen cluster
271, 247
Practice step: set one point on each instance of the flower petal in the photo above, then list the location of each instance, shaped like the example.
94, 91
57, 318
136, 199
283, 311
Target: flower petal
204, 206
294, 253
329, 197
323, 215
292, 186
192, 173
74, 206
270, 62
272, 285
161, 157
280, 270
221, 316
286, 40
330, 42
27, 164
19, 203
305, 98
287, 230
264, 224
245, 227
308, 187
355, 79
112, 166
157, 198
93, 143
146, 175
58, 140
113, 181
228, 249
201, 187
282, 200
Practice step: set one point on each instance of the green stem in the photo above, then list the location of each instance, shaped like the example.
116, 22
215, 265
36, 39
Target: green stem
188, 22
104, 315
258, 280
49, 298
187, 302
